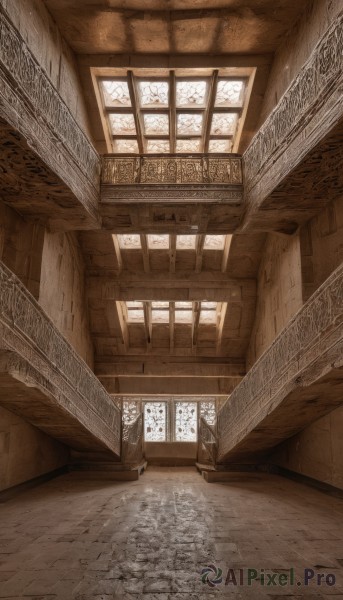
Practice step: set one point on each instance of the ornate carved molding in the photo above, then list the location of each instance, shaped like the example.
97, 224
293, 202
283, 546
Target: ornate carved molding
305, 351
171, 169
305, 96
49, 358
32, 106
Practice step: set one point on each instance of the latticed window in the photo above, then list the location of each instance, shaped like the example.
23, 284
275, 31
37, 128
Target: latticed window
208, 411
155, 421
186, 421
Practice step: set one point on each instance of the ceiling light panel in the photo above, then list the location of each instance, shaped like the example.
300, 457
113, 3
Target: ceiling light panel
160, 316
208, 317
220, 146
183, 316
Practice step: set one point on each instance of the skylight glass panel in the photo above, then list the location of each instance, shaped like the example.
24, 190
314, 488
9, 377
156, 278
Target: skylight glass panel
185, 242
153, 93
135, 315
192, 145
183, 304
122, 124
183, 316
129, 241
191, 93
214, 242
155, 421
116, 93
186, 421
228, 92
208, 317
156, 124
158, 241
134, 304
160, 304
160, 316
205, 304
220, 146
158, 146
125, 146
189, 124
223, 123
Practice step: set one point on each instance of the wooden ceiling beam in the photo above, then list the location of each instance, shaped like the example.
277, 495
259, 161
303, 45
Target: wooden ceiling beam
170, 366
196, 308
220, 326
123, 325
172, 111
171, 326
200, 241
172, 253
209, 111
145, 252
117, 252
136, 113
148, 323
226, 251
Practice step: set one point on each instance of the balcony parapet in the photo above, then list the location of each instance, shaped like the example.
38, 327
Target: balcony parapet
72, 391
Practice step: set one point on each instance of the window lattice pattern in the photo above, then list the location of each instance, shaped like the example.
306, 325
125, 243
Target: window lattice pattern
186, 421
167, 114
131, 410
208, 412
155, 422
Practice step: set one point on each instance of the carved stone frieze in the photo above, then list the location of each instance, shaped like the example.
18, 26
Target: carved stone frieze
171, 169
27, 332
31, 106
308, 348
304, 97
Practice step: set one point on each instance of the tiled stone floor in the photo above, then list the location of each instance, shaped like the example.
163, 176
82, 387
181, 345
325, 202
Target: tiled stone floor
73, 538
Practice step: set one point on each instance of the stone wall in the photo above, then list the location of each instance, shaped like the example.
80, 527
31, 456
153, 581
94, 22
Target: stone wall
317, 451
296, 49
62, 291
279, 292
25, 451
21, 244
41, 34
321, 243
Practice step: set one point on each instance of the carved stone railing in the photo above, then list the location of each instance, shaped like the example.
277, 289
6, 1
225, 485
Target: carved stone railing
307, 349
303, 99
197, 177
208, 440
132, 442
32, 105
26, 331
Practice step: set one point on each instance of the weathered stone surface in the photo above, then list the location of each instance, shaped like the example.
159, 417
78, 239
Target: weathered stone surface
293, 165
49, 167
296, 381
46, 361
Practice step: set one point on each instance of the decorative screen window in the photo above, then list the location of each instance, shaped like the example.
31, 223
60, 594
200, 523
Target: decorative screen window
129, 241
214, 242
134, 312
160, 312
186, 421
208, 412
158, 241
183, 312
155, 421
169, 112
208, 313
131, 410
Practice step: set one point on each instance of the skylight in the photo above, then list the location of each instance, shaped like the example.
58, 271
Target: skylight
134, 312
214, 242
173, 112
158, 242
185, 242
129, 241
